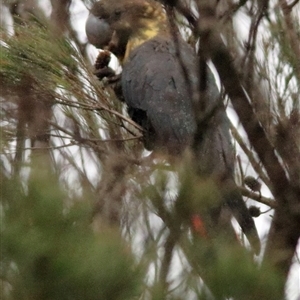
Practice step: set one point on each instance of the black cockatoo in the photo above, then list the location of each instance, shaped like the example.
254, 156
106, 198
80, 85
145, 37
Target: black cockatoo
158, 92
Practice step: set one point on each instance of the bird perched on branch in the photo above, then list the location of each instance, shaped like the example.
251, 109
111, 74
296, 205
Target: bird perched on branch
158, 79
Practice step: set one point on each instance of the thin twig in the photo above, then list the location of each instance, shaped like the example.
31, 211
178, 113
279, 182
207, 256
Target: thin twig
99, 108
256, 166
257, 197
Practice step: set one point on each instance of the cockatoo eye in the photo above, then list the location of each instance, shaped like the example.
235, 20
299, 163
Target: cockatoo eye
118, 12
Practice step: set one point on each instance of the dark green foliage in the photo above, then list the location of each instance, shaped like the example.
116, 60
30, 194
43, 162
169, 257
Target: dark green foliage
37, 53
49, 250
229, 271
